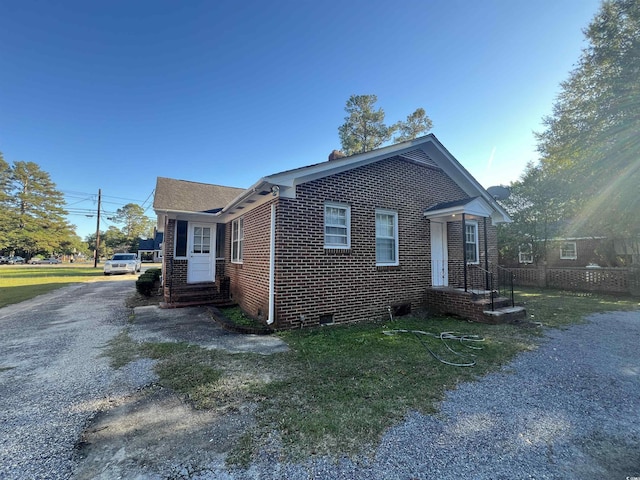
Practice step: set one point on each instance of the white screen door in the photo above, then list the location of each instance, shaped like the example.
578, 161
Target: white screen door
202, 247
439, 255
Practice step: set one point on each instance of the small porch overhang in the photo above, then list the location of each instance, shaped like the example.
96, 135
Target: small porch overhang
474, 206
463, 210
210, 216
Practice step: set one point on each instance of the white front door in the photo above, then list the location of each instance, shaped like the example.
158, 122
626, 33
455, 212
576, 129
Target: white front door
439, 255
202, 248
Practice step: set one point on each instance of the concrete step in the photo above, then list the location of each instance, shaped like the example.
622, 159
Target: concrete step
505, 314
498, 302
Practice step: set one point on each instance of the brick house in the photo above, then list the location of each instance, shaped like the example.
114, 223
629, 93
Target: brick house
349, 239
578, 252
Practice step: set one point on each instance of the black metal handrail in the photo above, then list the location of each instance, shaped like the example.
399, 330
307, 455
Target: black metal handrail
488, 277
505, 279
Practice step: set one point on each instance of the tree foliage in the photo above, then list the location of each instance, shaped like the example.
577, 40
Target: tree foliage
590, 145
534, 206
136, 224
416, 124
364, 128
33, 216
126, 239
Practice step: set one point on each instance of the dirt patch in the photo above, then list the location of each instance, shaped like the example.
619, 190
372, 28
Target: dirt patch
154, 431
137, 300
158, 433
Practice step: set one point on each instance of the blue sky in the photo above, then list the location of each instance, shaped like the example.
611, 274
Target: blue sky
111, 94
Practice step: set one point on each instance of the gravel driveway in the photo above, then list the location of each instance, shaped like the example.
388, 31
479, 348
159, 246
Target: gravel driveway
570, 409
52, 377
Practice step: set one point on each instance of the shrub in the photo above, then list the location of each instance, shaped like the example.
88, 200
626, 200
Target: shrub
154, 272
145, 284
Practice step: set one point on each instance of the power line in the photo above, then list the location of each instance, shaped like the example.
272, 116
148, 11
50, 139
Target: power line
93, 196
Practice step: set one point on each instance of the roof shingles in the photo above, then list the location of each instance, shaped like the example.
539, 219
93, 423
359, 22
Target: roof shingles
187, 196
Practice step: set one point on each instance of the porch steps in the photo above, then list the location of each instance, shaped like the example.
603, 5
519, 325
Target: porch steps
506, 314
473, 305
502, 311
196, 294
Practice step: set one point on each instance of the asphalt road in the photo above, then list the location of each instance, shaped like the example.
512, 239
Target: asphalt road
52, 375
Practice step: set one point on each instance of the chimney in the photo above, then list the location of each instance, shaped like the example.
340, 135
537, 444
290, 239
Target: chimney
336, 154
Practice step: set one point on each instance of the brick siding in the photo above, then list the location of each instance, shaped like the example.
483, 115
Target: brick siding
250, 279
313, 283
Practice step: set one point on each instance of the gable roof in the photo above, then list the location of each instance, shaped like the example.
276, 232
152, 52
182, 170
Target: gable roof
181, 197
425, 150
184, 196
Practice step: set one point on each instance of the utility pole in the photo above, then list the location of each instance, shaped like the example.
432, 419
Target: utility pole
95, 254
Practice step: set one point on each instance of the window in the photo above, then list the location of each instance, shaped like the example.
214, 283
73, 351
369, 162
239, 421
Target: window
220, 237
525, 253
237, 240
181, 238
201, 240
337, 225
386, 237
471, 241
568, 251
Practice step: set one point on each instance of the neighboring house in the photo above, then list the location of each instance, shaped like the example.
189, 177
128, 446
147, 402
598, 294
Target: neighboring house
349, 239
150, 249
576, 252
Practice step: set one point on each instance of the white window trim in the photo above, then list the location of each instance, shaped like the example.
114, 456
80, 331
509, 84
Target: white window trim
525, 256
569, 257
237, 224
347, 208
474, 224
396, 242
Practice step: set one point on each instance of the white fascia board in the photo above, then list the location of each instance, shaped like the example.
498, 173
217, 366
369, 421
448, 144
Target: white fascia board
464, 179
477, 207
189, 215
332, 167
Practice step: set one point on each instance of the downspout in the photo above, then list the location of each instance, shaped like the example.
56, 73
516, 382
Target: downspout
272, 264
464, 249
486, 255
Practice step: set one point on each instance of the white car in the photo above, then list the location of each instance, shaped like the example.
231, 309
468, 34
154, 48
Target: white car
123, 263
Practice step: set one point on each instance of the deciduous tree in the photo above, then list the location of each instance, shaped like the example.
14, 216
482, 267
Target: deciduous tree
592, 138
586, 183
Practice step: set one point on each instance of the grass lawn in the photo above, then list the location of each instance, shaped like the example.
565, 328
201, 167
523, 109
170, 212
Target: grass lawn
22, 282
339, 388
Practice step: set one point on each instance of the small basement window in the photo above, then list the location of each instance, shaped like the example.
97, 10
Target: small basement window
326, 319
400, 309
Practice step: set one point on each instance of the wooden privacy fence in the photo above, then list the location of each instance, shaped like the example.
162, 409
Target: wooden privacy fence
605, 280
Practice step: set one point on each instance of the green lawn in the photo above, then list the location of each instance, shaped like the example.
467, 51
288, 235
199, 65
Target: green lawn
339, 388
22, 282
